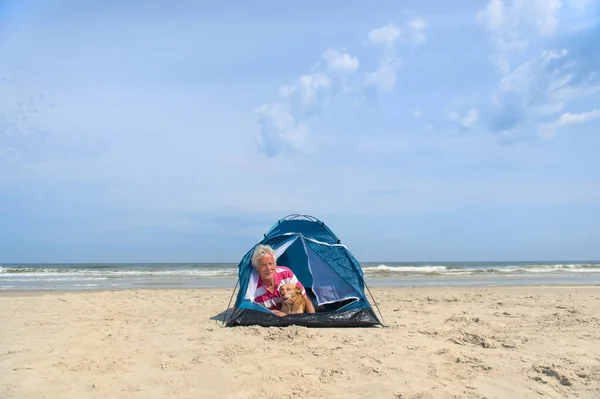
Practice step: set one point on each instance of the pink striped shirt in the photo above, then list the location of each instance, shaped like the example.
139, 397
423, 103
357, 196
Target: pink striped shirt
272, 300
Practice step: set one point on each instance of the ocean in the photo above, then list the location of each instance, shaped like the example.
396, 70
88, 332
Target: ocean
78, 276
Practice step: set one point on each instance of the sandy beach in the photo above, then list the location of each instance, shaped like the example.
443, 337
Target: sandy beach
500, 342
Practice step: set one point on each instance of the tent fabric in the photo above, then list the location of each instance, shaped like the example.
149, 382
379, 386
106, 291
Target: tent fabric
333, 287
311, 228
332, 276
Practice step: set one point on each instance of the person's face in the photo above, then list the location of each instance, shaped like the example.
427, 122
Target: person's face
266, 267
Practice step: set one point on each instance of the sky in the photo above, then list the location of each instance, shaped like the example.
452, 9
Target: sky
147, 131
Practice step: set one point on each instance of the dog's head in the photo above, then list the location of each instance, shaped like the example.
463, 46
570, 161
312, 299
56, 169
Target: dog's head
289, 292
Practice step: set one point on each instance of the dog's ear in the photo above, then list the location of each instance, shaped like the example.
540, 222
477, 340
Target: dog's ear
298, 290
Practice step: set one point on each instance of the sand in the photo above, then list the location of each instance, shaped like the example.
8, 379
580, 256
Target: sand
506, 342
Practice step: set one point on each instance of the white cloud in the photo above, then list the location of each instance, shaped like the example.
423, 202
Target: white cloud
418, 26
417, 114
545, 14
279, 131
549, 130
313, 88
282, 124
309, 93
471, 118
502, 21
339, 61
511, 23
506, 20
384, 77
569, 118
542, 86
520, 79
385, 35
545, 84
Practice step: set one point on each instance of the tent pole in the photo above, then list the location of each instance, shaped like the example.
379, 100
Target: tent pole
375, 302
230, 299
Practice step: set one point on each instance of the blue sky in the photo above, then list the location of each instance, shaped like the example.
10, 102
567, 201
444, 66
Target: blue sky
137, 131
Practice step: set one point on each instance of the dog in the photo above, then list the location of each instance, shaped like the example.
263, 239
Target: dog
293, 302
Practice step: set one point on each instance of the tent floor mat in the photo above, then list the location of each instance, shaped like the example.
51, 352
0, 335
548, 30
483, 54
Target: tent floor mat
347, 318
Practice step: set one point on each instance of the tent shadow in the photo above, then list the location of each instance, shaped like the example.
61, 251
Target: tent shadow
223, 316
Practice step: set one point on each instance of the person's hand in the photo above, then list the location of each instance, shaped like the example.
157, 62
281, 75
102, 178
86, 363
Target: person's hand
279, 313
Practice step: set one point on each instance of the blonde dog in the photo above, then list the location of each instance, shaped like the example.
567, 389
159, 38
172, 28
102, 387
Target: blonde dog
293, 300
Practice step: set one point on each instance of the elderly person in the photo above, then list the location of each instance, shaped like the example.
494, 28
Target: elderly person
271, 278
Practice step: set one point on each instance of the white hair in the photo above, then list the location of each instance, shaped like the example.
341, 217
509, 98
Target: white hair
260, 251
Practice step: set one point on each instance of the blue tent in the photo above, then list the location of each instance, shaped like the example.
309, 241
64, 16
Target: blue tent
332, 277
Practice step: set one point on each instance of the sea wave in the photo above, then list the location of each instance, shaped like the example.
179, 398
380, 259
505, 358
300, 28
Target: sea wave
49, 272
384, 270
225, 271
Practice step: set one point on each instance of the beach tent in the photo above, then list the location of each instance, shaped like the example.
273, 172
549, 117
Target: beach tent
332, 277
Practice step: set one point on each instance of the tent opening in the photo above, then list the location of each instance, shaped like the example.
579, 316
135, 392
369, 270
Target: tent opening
324, 286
